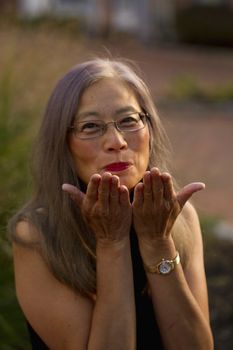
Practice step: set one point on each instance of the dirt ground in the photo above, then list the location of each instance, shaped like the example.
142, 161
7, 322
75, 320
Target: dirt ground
201, 134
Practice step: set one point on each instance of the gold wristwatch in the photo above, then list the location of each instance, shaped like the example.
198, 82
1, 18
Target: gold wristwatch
164, 267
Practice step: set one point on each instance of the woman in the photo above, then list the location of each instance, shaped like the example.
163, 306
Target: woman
104, 257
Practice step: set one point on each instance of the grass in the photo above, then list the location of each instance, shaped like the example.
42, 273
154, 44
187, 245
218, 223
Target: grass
186, 87
31, 61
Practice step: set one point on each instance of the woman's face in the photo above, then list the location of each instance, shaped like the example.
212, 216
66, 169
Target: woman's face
123, 154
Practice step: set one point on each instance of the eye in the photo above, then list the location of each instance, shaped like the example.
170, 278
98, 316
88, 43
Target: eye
89, 127
128, 120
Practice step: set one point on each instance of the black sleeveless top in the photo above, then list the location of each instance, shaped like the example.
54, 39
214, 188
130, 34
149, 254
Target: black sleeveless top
148, 336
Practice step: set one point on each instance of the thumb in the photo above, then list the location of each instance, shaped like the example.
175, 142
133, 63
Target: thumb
187, 191
74, 193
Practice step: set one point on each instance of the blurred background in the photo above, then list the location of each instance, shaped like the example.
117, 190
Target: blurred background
184, 50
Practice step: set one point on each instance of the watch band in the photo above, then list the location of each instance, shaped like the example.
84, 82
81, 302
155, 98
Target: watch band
164, 267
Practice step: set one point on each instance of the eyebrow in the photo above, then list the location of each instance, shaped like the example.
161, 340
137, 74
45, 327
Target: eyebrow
97, 114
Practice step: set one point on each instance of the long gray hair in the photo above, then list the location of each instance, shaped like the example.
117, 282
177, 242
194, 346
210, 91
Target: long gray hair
66, 243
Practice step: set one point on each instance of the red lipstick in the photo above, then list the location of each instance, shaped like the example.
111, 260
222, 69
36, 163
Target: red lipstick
114, 167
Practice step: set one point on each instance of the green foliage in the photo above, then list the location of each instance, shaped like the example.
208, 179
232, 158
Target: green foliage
13, 333
71, 26
13, 147
187, 87
220, 93
13, 171
183, 87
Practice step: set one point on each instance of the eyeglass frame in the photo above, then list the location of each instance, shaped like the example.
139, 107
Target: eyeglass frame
142, 115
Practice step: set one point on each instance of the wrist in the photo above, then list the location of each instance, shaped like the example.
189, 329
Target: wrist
164, 266
111, 247
152, 251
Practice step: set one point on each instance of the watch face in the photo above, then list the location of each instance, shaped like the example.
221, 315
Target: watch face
165, 267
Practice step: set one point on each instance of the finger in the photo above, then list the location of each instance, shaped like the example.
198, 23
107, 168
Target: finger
114, 190
168, 189
104, 188
138, 195
187, 191
157, 186
92, 189
124, 196
74, 193
147, 193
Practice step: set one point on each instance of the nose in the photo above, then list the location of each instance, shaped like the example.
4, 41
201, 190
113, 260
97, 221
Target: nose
113, 139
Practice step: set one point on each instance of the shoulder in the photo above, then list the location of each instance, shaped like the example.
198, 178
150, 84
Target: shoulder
187, 233
194, 269
193, 222
188, 223
23, 230
24, 226
66, 315
26, 242
194, 232
27, 233
190, 214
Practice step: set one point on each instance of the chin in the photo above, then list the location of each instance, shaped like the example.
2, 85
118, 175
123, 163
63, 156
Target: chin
130, 184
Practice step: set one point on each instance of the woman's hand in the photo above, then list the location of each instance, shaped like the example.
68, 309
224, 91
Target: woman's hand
156, 205
105, 206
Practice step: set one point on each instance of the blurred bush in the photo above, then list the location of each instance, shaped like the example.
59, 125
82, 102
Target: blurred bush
13, 171
186, 87
206, 24
218, 265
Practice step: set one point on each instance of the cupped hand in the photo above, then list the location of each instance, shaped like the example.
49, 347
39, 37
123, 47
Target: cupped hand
105, 207
156, 205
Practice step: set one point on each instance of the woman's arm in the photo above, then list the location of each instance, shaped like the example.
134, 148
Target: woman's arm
107, 210
60, 317
179, 298
68, 321
113, 322
65, 320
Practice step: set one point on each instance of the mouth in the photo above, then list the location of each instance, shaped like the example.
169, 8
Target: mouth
115, 167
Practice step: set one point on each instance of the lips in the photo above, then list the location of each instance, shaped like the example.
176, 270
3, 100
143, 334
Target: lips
119, 166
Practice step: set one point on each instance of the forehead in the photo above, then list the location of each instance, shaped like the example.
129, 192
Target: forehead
107, 96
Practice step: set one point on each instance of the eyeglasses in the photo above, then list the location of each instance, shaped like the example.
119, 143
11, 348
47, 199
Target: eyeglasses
95, 128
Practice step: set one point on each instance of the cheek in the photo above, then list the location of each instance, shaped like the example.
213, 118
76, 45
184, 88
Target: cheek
83, 155
144, 147
80, 150
141, 153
